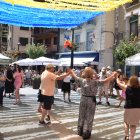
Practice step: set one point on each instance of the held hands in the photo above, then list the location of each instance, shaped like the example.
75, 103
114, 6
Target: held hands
115, 74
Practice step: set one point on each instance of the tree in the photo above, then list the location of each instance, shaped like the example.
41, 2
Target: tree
126, 48
35, 51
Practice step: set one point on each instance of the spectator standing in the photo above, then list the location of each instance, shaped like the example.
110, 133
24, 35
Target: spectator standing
18, 80
28, 74
47, 87
9, 83
132, 106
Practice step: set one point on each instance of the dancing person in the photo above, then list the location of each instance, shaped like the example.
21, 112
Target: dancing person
116, 86
66, 86
111, 83
103, 88
9, 83
132, 106
89, 88
123, 96
47, 87
2, 83
18, 80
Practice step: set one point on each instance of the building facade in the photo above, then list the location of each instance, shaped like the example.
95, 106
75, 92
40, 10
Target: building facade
96, 35
3, 37
18, 38
47, 37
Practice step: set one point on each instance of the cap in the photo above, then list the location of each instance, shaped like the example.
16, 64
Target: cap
108, 67
50, 66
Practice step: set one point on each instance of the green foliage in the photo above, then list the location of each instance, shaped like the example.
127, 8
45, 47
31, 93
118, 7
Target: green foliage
74, 46
126, 48
35, 51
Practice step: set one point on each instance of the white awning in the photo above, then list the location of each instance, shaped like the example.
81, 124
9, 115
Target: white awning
76, 61
133, 60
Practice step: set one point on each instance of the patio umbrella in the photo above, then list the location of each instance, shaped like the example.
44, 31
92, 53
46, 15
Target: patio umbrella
44, 60
24, 62
4, 59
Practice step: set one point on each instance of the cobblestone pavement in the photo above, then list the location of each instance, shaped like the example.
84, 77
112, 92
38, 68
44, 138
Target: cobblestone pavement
20, 122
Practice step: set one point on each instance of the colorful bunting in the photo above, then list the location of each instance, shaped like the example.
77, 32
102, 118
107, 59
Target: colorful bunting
89, 5
54, 13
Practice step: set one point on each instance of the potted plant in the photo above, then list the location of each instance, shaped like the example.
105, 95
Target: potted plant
36, 82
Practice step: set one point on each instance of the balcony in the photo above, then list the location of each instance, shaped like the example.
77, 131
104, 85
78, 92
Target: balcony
42, 32
51, 48
132, 6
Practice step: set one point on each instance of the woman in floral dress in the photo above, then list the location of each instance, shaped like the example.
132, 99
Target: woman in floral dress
89, 87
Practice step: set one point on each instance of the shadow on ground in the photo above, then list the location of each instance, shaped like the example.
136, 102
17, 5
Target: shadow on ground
1, 136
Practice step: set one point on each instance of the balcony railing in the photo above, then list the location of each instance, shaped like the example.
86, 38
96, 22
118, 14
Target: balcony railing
135, 2
43, 31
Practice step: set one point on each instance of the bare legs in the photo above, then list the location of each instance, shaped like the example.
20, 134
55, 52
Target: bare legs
44, 114
126, 129
17, 96
68, 96
132, 130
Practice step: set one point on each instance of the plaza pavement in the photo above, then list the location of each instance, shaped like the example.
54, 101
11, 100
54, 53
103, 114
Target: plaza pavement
20, 122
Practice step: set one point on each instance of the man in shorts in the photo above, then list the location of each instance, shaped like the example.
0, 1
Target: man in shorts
47, 87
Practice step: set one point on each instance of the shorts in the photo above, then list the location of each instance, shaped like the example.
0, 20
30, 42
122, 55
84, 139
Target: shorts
40, 97
66, 87
47, 102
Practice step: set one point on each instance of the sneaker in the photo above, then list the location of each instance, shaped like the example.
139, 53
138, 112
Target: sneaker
108, 103
99, 103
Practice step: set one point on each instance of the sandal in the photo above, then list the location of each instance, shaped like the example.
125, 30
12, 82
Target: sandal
126, 138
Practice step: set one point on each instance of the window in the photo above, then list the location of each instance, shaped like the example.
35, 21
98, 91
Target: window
23, 41
24, 28
77, 38
134, 25
89, 41
4, 39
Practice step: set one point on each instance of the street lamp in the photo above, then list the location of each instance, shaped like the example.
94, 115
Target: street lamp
18, 45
